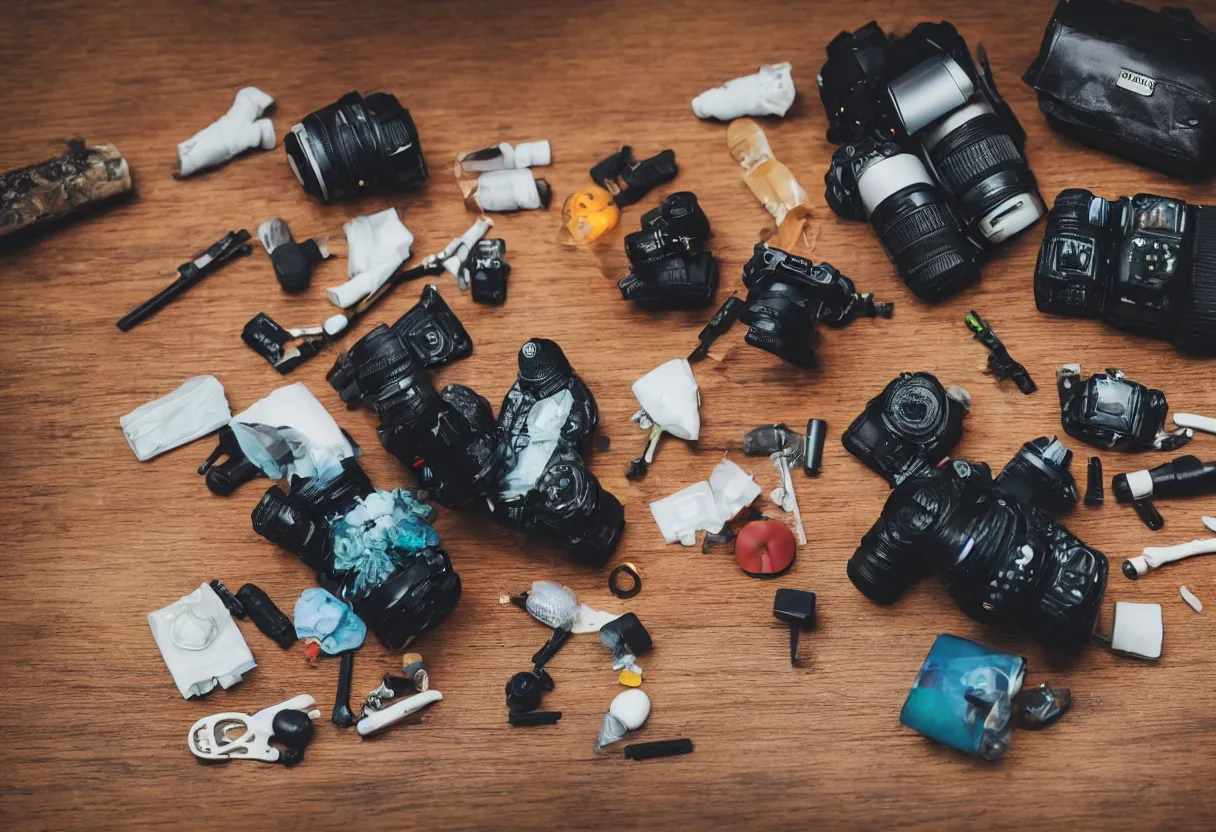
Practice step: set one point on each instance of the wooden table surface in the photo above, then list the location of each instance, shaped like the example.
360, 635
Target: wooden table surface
92, 729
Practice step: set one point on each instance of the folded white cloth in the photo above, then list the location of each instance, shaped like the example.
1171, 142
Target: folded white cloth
200, 643
194, 409
238, 130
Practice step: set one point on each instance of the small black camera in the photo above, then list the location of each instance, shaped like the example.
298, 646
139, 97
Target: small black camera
788, 295
355, 145
669, 263
1145, 264
909, 427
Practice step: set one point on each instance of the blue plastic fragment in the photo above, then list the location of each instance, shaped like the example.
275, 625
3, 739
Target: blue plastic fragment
320, 615
375, 539
963, 696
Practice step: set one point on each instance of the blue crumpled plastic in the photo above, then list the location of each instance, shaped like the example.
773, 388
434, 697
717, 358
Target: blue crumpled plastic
373, 541
320, 615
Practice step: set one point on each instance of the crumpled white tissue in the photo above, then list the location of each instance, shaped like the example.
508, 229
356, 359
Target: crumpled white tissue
705, 506
200, 643
291, 419
238, 130
377, 246
194, 409
508, 190
671, 399
768, 92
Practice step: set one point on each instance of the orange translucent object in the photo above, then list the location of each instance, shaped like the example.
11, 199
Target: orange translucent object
588, 215
771, 182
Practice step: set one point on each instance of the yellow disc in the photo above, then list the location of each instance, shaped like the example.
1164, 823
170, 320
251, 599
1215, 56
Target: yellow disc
629, 678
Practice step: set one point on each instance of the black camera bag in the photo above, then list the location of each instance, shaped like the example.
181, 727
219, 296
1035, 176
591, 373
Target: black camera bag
1130, 81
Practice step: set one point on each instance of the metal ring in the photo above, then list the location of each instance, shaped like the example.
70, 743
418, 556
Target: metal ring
632, 571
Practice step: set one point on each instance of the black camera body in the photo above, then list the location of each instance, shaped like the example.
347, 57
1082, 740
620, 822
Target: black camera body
1145, 264
788, 295
931, 153
356, 145
1003, 560
414, 596
669, 263
458, 452
909, 427
1109, 410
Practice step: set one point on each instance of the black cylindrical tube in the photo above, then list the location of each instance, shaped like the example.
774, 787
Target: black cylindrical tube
271, 620
1185, 476
812, 456
658, 748
534, 718
1095, 494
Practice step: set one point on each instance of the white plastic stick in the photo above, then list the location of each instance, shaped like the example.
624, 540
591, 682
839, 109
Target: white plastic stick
1190, 420
394, 713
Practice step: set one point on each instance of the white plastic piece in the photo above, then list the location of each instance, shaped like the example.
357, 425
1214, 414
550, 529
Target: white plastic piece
457, 252
1190, 420
193, 410
734, 489
200, 643
628, 712
591, 620
377, 246
508, 190
1140, 483
784, 494
1154, 557
334, 324
238, 130
1138, 630
544, 427
505, 156
631, 707
1210, 523
768, 92
394, 713
670, 397
212, 737
1191, 599
686, 512
316, 442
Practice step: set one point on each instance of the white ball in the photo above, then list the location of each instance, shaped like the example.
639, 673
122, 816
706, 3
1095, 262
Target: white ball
631, 707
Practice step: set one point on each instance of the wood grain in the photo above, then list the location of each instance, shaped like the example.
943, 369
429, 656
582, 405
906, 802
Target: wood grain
92, 729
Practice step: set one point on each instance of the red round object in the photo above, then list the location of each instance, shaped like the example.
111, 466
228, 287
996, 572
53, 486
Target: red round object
765, 548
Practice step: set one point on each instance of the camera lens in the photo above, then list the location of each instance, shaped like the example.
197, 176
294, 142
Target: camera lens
928, 91
377, 365
917, 228
356, 144
978, 163
916, 407
885, 565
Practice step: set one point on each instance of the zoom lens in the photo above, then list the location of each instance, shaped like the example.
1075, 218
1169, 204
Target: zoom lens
281, 522
356, 144
980, 165
918, 230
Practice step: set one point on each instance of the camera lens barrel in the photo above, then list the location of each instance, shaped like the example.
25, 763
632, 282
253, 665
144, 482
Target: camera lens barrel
928, 91
356, 144
980, 165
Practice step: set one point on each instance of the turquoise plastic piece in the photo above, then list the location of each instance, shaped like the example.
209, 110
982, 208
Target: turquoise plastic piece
320, 615
963, 696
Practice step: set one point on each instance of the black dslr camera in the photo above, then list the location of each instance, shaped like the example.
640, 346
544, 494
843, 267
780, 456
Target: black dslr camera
909, 427
535, 483
409, 593
356, 145
787, 295
1146, 264
669, 264
932, 155
1002, 558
